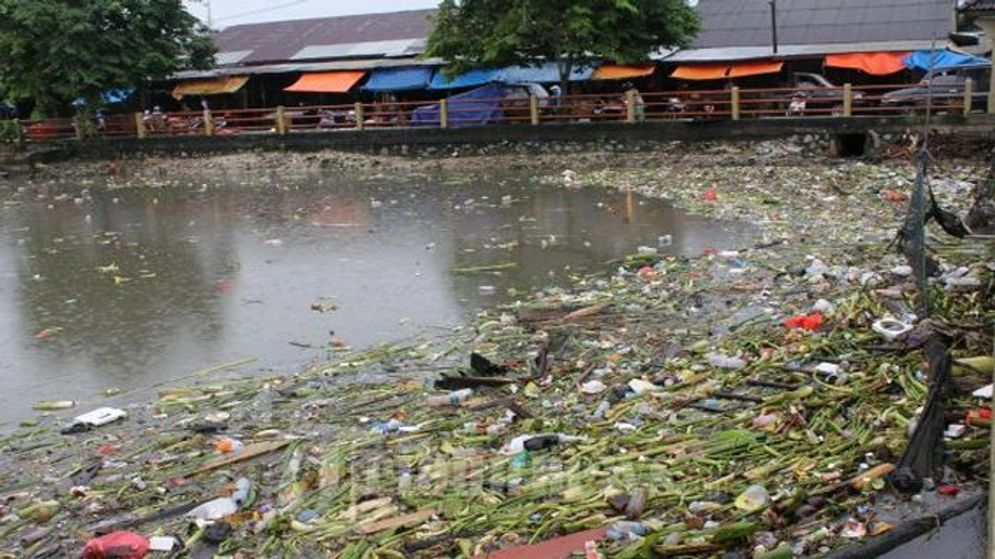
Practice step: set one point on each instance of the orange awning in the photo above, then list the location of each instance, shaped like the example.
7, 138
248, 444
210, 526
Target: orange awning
216, 86
873, 63
700, 72
327, 82
755, 68
623, 71
712, 71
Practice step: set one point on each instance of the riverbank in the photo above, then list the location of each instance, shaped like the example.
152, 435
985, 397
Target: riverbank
668, 390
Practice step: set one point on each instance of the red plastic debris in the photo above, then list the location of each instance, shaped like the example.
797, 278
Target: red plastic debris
711, 195
117, 545
948, 490
557, 548
893, 195
810, 322
108, 449
982, 414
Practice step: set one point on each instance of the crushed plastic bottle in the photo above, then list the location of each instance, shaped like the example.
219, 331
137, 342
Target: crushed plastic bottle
224, 506
725, 362
755, 497
626, 530
454, 398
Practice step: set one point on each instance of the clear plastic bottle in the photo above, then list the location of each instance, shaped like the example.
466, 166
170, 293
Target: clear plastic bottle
452, 399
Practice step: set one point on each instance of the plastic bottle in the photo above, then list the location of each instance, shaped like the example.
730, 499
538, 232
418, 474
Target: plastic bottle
725, 362
452, 399
229, 446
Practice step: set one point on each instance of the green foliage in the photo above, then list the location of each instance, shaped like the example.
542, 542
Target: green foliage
488, 33
57, 50
8, 131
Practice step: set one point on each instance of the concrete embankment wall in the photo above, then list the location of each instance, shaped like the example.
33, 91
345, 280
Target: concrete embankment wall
829, 135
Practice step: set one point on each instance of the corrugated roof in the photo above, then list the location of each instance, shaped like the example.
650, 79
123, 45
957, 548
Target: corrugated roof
789, 51
355, 50
279, 41
289, 68
747, 23
979, 6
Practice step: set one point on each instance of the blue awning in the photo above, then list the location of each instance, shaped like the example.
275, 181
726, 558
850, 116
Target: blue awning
547, 72
473, 78
399, 79
110, 97
925, 60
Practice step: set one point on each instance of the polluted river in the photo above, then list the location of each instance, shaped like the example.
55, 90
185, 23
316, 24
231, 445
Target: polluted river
684, 351
135, 288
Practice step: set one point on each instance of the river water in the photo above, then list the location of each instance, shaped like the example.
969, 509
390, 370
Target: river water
137, 287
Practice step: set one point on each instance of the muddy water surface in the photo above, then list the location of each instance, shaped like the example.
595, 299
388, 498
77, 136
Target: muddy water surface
138, 287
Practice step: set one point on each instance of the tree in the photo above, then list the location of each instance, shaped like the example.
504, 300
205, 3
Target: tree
54, 51
489, 33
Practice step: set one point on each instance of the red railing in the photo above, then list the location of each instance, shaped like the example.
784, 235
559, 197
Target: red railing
718, 104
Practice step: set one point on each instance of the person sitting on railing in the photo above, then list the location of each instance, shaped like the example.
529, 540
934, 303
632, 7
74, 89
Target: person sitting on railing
637, 98
799, 102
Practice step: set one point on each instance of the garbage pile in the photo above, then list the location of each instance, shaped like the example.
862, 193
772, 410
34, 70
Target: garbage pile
749, 402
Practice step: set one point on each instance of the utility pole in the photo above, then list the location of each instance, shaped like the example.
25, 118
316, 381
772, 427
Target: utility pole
773, 23
210, 15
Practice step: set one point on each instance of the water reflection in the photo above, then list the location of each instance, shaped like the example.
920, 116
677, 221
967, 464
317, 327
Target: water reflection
138, 287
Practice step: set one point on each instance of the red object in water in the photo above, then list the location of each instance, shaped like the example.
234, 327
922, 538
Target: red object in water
983, 414
709, 251
117, 545
810, 322
711, 195
108, 449
893, 195
556, 548
948, 490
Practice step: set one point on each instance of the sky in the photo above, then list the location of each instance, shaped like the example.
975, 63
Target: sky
233, 12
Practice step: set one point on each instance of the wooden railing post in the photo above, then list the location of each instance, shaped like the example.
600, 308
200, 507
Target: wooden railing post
444, 113
968, 96
359, 116
534, 110
735, 102
630, 105
78, 123
19, 131
847, 100
281, 120
208, 123
140, 126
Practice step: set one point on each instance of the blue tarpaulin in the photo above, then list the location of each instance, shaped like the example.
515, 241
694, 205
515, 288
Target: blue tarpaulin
473, 108
547, 72
924, 60
399, 79
110, 97
473, 78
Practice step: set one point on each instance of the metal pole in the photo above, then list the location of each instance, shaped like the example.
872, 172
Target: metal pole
773, 23
991, 477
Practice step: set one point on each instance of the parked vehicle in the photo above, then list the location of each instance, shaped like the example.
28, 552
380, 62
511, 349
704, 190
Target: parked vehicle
7, 111
947, 86
814, 91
